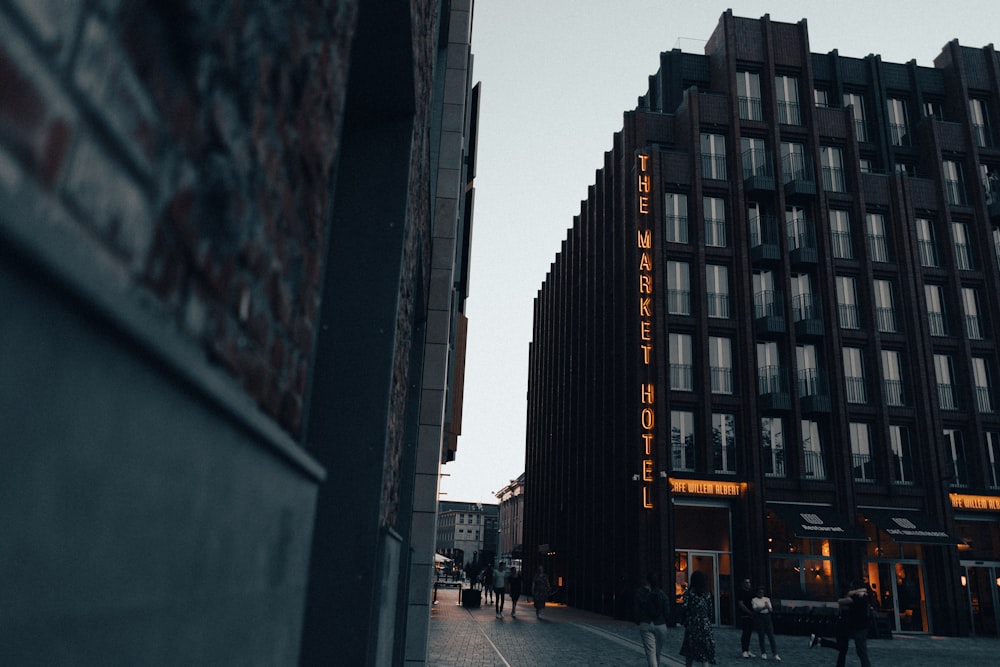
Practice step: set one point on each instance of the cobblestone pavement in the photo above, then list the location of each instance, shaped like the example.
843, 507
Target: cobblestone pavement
461, 637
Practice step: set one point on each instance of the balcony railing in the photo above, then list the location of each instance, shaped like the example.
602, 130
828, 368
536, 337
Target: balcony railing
928, 254
954, 192
715, 233
861, 128
856, 391
766, 303
770, 380
946, 397
795, 167
774, 463
677, 228
804, 307
984, 400
810, 382
963, 257
898, 135
814, 466
718, 305
751, 108
833, 179
789, 113
681, 377
878, 246
841, 242
849, 317
679, 302
981, 135
894, 393
973, 328
936, 324
886, 320
713, 166
722, 380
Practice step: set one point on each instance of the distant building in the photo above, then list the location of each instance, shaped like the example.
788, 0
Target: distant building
768, 345
511, 499
467, 532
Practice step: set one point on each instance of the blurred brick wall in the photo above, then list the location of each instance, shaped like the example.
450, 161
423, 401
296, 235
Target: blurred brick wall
195, 142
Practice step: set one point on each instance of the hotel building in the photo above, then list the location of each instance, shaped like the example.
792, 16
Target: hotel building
768, 344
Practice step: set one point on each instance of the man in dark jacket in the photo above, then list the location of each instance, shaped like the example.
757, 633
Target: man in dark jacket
745, 609
854, 606
650, 612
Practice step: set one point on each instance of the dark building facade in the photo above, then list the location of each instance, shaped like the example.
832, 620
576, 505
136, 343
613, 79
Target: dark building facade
234, 243
767, 346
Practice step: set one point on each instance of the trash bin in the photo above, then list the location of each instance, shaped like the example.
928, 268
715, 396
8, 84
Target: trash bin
472, 598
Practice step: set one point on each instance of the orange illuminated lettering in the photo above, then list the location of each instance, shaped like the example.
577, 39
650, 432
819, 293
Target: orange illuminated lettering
646, 330
648, 440
643, 182
644, 205
648, 418
647, 350
645, 285
645, 239
647, 502
647, 470
644, 310
645, 263
647, 394
642, 161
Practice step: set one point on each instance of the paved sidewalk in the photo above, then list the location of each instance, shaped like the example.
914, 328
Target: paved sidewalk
461, 637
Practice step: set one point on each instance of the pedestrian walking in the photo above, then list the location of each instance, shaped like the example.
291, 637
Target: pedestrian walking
514, 590
763, 616
854, 606
699, 642
488, 583
650, 613
500, 588
540, 590
744, 608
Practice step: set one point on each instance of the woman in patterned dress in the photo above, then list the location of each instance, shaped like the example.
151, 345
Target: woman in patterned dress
699, 643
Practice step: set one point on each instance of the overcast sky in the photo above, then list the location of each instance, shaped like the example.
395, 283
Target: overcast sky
556, 76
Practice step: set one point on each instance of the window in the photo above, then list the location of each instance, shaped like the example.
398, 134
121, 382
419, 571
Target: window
858, 103
953, 187
786, 89
808, 367
866, 165
682, 440
715, 222
748, 90
933, 109
892, 374
945, 385
935, 310
885, 313
720, 362
959, 464
755, 162
812, 448
794, 165
832, 160
878, 246
840, 231
766, 301
861, 453
675, 228
772, 440
980, 122
681, 370
768, 369
847, 303
797, 228
970, 304
898, 134
981, 375
963, 253
854, 376
902, 456
717, 290
996, 244
821, 98
678, 288
724, 443
803, 307
713, 156
993, 459
761, 226
925, 243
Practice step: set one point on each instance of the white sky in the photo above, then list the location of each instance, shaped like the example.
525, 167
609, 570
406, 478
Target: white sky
557, 75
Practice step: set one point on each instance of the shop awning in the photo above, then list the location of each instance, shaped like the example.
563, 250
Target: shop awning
817, 521
908, 525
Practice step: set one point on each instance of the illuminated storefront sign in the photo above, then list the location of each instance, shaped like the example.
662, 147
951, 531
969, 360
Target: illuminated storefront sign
647, 388
965, 502
706, 487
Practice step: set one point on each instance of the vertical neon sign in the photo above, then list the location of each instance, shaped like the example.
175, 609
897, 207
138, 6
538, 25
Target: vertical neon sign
647, 389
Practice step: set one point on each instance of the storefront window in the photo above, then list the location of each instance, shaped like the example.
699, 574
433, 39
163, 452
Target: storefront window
895, 575
801, 569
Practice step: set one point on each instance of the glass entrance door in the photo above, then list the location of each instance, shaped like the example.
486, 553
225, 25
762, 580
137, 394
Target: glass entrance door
981, 581
715, 567
900, 588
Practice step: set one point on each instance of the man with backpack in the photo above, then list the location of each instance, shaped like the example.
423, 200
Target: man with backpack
650, 610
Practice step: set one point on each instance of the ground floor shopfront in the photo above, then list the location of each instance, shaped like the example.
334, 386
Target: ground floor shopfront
807, 552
